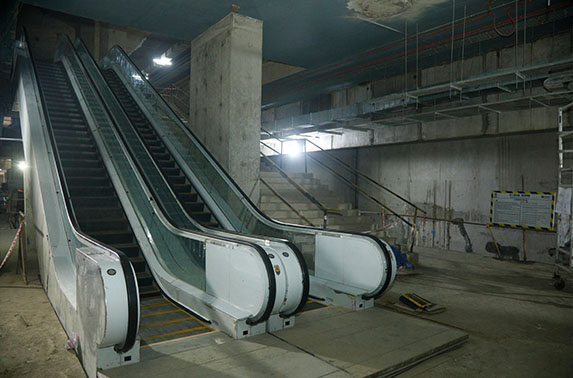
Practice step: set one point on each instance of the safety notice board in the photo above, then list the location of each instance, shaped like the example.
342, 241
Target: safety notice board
528, 210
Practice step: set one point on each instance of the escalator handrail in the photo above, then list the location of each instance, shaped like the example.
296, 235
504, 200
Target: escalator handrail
294, 249
127, 268
211, 158
238, 189
166, 219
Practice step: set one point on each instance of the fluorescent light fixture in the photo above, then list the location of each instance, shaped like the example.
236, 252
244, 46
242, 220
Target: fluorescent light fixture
162, 61
22, 165
292, 147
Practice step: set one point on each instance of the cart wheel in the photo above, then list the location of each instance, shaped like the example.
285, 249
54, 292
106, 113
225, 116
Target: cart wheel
559, 283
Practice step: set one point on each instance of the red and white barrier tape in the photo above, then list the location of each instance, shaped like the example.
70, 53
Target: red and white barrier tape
12, 246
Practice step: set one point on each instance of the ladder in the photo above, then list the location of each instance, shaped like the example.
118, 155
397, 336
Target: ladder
564, 248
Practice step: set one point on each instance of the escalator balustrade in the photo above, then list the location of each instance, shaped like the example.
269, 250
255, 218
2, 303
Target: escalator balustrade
179, 183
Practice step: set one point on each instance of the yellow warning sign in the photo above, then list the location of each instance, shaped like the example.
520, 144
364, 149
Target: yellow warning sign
527, 210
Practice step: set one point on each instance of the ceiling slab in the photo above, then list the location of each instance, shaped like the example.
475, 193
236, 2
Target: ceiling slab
298, 32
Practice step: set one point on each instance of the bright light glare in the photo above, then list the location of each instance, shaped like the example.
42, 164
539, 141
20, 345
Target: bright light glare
162, 61
292, 147
137, 77
22, 165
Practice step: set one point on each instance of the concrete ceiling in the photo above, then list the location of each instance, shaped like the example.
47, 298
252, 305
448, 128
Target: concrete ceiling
306, 33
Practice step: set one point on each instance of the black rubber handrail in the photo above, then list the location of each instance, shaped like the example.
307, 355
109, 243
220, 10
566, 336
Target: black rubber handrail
260, 251
349, 168
301, 189
284, 200
366, 177
128, 272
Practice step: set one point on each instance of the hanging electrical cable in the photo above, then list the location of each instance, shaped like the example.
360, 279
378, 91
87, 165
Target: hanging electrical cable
488, 6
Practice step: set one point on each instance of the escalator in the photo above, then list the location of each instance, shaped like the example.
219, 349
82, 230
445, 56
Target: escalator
95, 205
337, 277
183, 189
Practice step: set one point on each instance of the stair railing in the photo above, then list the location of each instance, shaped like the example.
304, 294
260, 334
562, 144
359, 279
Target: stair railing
325, 211
359, 189
178, 98
286, 202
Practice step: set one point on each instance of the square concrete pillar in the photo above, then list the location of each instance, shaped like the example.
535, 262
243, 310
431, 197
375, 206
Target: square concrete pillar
225, 96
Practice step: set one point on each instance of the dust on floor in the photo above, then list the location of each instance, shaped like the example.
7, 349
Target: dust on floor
32, 341
519, 324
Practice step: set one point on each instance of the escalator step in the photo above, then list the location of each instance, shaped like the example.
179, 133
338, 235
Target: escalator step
56, 95
130, 249
201, 216
155, 143
168, 171
65, 114
116, 236
138, 263
148, 291
161, 156
165, 163
81, 163
97, 191
191, 207
102, 224
87, 181
74, 139
187, 197
71, 171
69, 124
157, 149
181, 188
89, 155
150, 139
87, 201
144, 279
57, 82
72, 133
144, 130
178, 180
90, 212
76, 147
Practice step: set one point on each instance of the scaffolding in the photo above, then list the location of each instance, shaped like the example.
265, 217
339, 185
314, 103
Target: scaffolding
564, 250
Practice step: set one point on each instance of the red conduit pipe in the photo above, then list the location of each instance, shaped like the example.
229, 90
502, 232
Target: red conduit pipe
425, 47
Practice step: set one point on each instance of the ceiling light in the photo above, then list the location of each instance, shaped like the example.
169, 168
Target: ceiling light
162, 61
292, 147
22, 165
137, 77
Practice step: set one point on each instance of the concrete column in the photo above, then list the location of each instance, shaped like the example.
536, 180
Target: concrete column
225, 96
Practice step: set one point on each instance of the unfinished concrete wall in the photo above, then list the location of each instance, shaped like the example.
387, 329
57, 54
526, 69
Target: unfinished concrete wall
275, 70
543, 50
46, 27
225, 96
424, 173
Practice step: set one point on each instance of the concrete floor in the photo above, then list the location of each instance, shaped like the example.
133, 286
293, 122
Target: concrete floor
519, 326
32, 341
325, 342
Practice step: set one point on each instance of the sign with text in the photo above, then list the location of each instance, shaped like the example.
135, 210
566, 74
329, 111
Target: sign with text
528, 210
